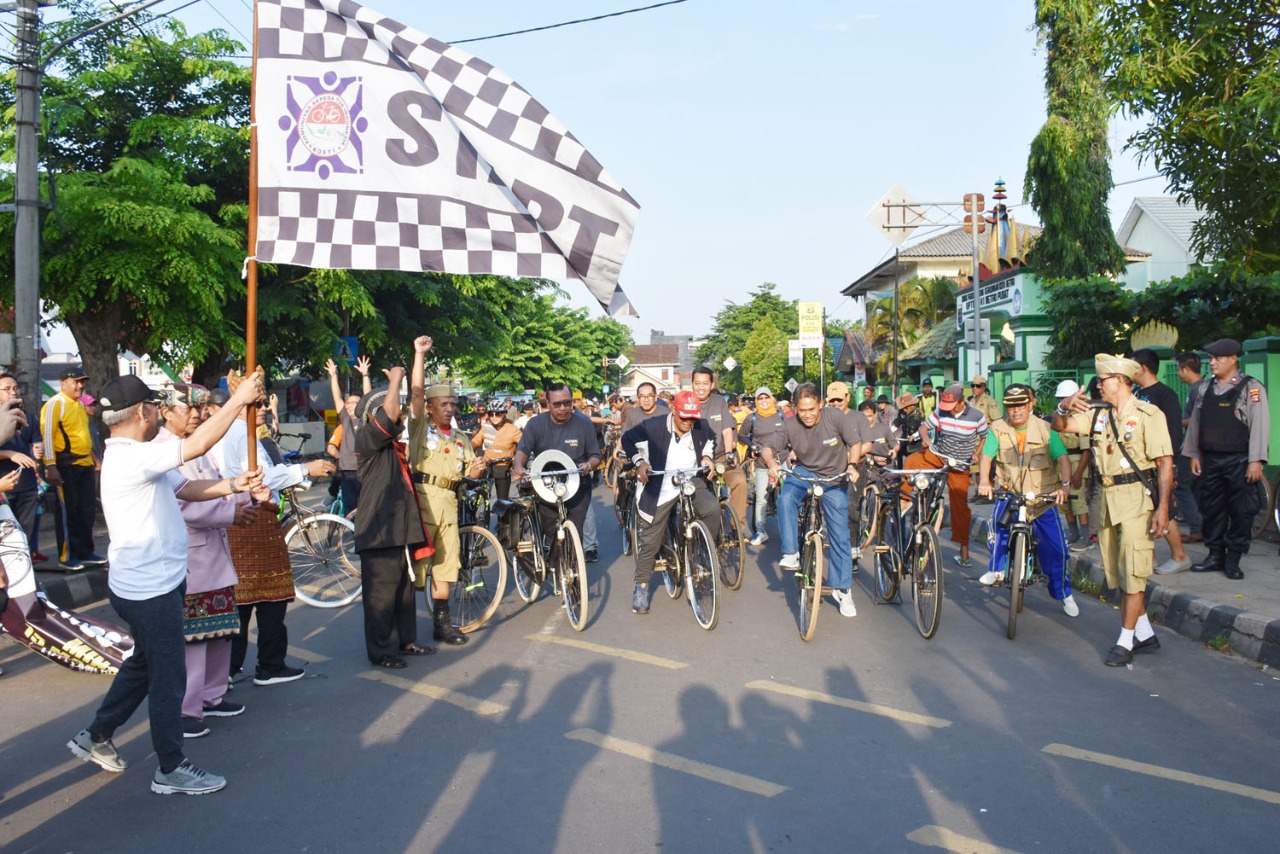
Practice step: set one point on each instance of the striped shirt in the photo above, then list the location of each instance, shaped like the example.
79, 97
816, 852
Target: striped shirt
957, 436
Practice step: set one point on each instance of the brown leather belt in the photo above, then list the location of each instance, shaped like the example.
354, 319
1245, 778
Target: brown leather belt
445, 483
1121, 479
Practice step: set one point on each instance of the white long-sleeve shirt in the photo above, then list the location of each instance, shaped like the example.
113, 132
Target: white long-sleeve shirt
231, 454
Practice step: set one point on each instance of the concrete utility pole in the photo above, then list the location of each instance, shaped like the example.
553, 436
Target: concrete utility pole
26, 197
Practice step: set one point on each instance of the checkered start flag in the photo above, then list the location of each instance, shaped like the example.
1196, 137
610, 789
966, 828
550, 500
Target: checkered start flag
382, 148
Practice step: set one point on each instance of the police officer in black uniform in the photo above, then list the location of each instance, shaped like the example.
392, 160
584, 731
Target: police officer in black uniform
1227, 445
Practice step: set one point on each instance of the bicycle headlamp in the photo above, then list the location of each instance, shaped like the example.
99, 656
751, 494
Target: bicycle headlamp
817, 490
920, 481
687, 487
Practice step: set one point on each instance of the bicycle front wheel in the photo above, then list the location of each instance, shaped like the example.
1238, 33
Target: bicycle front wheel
700, 575
1015, 577
572, 567
611, 472
731, 553
868, 508
326, 569
527, 562
888, 572
482, 578
926, 581
811, 571
672, 577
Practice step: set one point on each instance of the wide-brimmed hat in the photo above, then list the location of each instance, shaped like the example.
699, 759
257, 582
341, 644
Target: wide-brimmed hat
907, 399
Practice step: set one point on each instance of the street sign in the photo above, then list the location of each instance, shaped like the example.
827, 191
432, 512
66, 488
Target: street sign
969, 220
622, 362
811, 325
795, 353
974, 202
730, 363
897, 215
984, 339
791, 384
347, 349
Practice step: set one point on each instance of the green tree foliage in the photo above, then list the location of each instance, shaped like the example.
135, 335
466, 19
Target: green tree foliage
922, 304
1207, 304
1068, 169
764, 357
1087, 316
144, 142
736, 322
1206, 76
547, 342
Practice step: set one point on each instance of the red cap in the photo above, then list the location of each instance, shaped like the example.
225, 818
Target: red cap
686, 405
950, 396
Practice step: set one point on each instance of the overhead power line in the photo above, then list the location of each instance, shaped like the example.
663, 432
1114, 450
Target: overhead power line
568, 23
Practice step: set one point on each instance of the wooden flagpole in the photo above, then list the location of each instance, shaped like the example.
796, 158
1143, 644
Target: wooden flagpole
251, 265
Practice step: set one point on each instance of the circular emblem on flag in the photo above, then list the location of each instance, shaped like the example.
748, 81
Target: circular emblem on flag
325, 125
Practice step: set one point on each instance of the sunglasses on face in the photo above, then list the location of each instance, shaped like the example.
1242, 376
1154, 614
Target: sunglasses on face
979, 385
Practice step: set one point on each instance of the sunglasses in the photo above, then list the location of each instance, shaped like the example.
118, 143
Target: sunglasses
979, 385
261, 404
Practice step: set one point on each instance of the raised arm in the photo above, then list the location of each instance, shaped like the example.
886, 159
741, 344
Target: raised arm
362, 365
418, 376
334, 387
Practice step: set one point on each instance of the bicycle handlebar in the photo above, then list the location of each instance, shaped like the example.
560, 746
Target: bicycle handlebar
813, 478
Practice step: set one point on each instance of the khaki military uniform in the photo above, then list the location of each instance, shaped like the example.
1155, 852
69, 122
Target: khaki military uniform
987, 405
1124, 536
438, 462
1076, 444
1029, 470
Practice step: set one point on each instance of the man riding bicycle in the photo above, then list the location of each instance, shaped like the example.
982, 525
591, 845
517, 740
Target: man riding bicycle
561, 428
681, 441
1026, 452
825, 443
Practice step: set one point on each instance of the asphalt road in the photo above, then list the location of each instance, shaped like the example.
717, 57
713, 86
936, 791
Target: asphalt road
645, 733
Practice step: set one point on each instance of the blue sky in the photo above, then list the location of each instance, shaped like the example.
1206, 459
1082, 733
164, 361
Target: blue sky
756, 134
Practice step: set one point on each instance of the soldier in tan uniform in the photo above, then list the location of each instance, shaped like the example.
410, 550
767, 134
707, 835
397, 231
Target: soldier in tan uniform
1134, 459
440, 455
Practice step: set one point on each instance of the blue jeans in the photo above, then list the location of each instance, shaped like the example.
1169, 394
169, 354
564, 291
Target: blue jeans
590, 537
835, 510
1051, 549
156, 672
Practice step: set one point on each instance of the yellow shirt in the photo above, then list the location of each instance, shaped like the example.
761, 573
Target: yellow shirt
64, 427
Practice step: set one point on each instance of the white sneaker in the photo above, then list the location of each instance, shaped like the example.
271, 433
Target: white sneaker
1069, 607
857, 553
990, 577
791, 561
1173, 566
759, 539
186, 779
844, 598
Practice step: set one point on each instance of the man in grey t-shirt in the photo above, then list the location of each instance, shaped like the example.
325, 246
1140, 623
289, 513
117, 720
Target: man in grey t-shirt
716, 412
825, 444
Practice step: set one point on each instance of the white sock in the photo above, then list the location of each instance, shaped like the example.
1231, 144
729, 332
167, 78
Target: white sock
1126, 639
1143, 630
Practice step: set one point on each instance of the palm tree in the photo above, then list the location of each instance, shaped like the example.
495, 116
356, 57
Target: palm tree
922, 304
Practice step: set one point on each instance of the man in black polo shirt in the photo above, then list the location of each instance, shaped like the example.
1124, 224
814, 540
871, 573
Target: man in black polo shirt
561, 428
718, 415
1147, 387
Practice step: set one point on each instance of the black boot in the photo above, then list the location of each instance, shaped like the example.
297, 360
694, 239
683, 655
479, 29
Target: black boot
1215, 562
444, 631
1232, 568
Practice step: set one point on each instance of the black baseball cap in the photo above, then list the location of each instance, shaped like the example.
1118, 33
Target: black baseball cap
122, 392
73, 372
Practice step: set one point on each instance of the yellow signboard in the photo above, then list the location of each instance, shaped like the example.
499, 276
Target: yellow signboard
811, 325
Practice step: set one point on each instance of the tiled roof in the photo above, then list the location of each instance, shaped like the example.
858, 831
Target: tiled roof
938, 344
655, 354
955, 243
1178, 218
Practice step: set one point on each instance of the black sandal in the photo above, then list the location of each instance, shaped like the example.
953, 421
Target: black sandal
417, 649
391, 662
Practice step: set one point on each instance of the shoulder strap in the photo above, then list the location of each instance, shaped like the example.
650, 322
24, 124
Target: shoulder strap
1147, 476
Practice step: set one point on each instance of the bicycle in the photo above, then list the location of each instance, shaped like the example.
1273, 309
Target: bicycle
1268, 508
918, 554
564, 558
869, 502
624, 507
687, 558
1024, 565
482, 577
613, 466
326, 568
813, 536
730, 547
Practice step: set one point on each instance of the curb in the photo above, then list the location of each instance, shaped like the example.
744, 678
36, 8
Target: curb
74, 590
1201, 620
